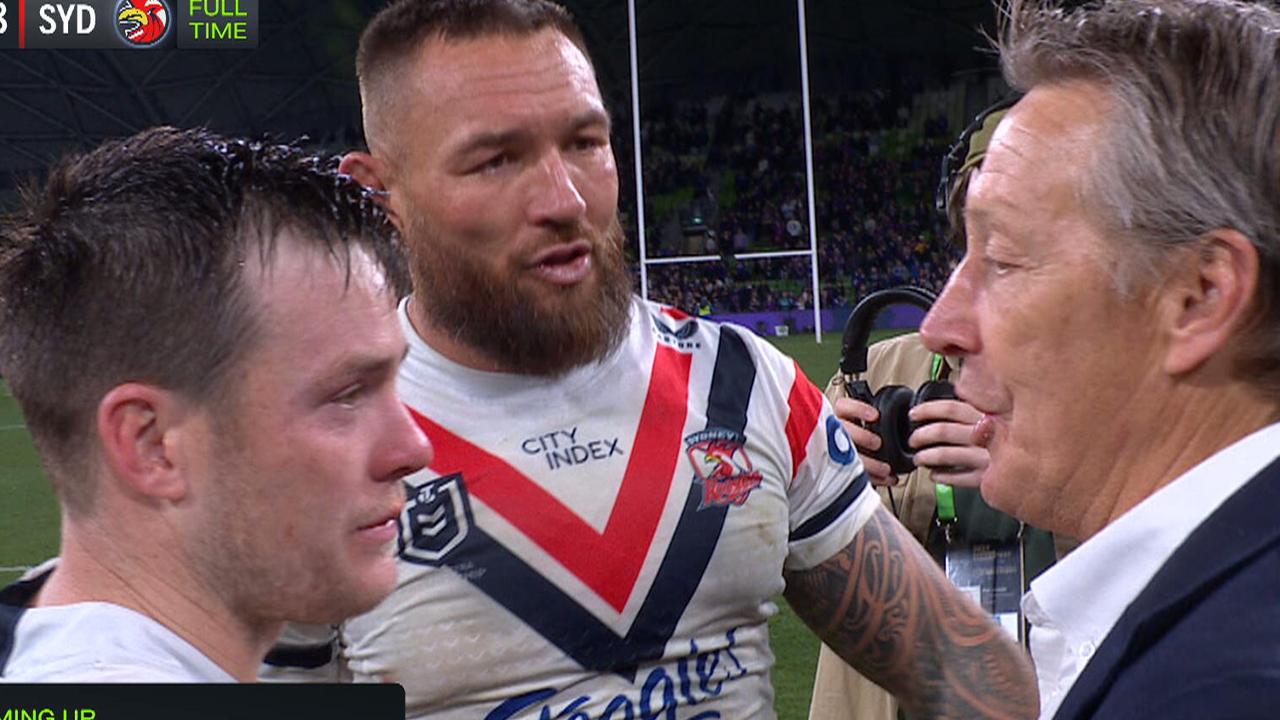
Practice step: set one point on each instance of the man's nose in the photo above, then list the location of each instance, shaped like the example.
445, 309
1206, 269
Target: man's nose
556, 199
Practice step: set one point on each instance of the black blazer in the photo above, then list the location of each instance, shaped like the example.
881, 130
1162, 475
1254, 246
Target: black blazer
1202, 639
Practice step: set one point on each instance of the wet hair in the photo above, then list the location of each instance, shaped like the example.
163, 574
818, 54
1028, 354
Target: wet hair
128, 265
1193, 136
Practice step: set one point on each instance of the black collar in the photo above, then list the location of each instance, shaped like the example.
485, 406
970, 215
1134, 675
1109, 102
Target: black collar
14, 600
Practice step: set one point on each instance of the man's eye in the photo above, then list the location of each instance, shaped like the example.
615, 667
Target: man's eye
588, 143
349, 396
1000, 267
496, 162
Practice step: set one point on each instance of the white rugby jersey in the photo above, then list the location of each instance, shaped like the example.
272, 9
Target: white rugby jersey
92, 642
606, 544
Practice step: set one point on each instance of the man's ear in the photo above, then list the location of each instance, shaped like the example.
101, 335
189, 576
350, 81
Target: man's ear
1209, 296
372, 173
142, 432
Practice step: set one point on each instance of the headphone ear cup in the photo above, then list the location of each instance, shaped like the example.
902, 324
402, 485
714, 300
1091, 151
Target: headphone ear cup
894, 427
934, 390
931, 390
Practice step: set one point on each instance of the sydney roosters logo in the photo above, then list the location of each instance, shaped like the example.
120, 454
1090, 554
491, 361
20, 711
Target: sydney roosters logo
142, 23
722, 467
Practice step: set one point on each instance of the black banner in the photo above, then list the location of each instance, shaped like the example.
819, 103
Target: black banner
264, 701
128, 25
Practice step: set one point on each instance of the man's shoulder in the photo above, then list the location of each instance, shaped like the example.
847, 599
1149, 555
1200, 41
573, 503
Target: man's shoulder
1218, 650
677, 328
101, 642
673, 317
1240, 604
1206, 628
1232, 554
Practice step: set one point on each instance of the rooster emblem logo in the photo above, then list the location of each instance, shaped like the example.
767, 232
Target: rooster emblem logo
142, 23
721, 465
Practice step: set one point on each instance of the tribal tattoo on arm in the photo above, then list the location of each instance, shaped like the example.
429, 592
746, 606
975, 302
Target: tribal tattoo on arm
884, 606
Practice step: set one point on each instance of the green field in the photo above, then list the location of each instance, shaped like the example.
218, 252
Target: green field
29, 525
28, 514
795, 647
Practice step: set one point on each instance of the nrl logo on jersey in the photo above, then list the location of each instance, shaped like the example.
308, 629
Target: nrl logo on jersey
435, 520
675, 329
721, 466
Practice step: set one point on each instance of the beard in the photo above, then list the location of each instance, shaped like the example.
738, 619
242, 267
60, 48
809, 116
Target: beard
546, 331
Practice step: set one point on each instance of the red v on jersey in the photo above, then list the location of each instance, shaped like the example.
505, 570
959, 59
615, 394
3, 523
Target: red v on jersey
609, 563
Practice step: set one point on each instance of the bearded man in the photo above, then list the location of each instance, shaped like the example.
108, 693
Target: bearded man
619, 490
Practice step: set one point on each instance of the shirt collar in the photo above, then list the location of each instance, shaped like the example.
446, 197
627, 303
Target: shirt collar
1085, 593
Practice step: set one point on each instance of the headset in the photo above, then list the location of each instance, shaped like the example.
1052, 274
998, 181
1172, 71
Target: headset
892, 401
964, 155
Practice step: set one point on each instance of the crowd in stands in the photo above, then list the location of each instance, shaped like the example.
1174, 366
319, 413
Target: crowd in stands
728, 176
728, 286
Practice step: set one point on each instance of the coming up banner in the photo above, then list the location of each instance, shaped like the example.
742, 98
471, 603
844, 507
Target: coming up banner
201, 702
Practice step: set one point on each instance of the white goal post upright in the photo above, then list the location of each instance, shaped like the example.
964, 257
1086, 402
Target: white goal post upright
811, 253
635, 131
808, 168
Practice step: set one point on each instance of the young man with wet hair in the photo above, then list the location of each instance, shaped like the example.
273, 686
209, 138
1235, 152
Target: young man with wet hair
201, 334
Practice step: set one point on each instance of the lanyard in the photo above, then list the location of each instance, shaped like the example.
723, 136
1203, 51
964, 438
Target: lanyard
945, 493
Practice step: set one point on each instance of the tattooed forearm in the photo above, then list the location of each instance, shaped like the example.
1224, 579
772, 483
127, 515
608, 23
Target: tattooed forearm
885, 607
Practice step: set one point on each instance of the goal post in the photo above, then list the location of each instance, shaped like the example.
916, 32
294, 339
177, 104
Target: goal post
811, 253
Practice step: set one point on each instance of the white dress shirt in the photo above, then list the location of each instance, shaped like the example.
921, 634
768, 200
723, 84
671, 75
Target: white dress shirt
1074, 604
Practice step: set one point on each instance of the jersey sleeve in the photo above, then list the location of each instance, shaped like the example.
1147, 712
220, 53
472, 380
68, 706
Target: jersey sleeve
829, 495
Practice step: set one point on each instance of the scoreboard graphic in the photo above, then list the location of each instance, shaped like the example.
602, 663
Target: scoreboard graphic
128, 24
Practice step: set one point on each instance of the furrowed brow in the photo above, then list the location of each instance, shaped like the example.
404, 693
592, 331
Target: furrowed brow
490, 140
